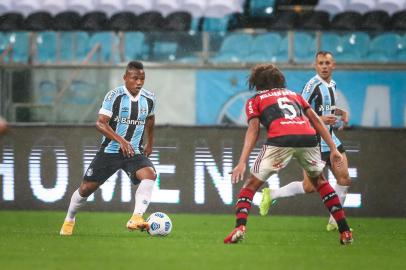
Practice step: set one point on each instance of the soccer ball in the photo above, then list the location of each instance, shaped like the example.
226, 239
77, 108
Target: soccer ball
159, 224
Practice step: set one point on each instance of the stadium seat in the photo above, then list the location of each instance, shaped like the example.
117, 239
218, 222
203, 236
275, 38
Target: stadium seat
331, 42
123, 21
398, 21
315, 20
215, 24
150, 21
221, 8
377, 20
166, 7
109, 7
6, 6
12, 21
356, 43
384, 47
285, 20
52, 6
137, 6
194, 7
46, 92
361, 6
80, 6
390, 6
134, 46
164, 51
39, 21
20, 42
348, 57
46, 47
26, 7
235, 47
261, 8
304, 47
348, 20
94, 21
67, 21
178, 21
331, 6
264, 47
281, 55
73, 46
108, 42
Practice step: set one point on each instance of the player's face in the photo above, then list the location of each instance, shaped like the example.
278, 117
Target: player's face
134, 80
324, 66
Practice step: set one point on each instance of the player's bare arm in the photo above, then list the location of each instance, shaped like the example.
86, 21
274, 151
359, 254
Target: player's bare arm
102, 125
149, 129
321, 129
251, 137
329, 119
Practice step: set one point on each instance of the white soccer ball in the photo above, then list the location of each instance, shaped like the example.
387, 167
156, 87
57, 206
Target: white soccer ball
159, 224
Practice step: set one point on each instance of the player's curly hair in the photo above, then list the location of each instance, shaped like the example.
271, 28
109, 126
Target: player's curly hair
266, 76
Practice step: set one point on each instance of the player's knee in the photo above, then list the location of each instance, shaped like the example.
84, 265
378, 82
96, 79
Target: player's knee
87, 188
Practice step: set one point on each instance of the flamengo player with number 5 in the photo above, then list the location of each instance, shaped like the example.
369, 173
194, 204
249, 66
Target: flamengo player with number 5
291, 130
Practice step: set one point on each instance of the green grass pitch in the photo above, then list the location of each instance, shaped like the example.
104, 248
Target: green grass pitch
30, 240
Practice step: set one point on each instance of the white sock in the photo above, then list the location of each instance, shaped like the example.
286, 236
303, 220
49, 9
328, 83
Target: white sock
288, 190
76, 202
143, 196
341, 192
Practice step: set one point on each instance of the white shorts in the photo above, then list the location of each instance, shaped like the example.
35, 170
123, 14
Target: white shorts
272, 158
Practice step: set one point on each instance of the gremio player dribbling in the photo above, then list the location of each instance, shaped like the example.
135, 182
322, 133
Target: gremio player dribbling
126, 113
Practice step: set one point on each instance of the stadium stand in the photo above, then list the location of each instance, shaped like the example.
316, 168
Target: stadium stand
67, 21
398, 21
94, 21
11, 21
38, 21
347, 20
315, 20
376, 20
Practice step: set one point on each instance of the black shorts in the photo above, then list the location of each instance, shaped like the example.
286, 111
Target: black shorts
105, 165
325, 156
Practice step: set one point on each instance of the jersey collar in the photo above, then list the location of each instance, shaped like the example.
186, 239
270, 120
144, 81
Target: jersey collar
132, 98
331, 84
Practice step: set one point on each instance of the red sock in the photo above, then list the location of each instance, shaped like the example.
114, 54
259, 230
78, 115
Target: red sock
332, 202
243, 206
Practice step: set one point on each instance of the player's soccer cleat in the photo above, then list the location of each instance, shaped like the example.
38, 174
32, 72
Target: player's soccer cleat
236, 235
331, 227
266, 202
346, 238
67, 228
136, 222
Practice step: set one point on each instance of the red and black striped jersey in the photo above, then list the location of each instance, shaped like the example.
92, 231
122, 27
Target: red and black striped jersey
281, 112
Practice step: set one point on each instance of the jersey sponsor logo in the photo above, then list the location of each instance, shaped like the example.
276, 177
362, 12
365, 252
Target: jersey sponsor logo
309, 86
127, 121
327, 107
250, 109
293, 122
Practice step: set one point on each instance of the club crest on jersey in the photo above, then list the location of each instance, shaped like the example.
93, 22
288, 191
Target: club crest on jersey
143, 110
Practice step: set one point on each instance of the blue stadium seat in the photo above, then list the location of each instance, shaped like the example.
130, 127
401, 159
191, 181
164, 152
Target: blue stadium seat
235, 47
331, 42
165, 50
46, 92
20, 41
348, 57
261, 8
384, 47
304, 47
281, 55
356, 43
264, 47
215, 24
46, 47
80, 93
134, 46
106, 53
73, 46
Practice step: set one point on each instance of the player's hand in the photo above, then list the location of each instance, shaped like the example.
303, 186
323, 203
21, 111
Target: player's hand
126, 148
336, 158
237, 173
345, 118
147, 150
329, 119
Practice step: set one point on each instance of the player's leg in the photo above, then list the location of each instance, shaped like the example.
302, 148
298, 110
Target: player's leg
243, 206
97, 173
145, 175
341, 187
311, 162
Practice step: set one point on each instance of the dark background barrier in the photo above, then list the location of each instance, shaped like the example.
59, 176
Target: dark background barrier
40, 167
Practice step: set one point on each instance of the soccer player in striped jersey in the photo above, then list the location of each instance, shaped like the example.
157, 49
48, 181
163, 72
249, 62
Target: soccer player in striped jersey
126, 114
291, 126
320, 92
